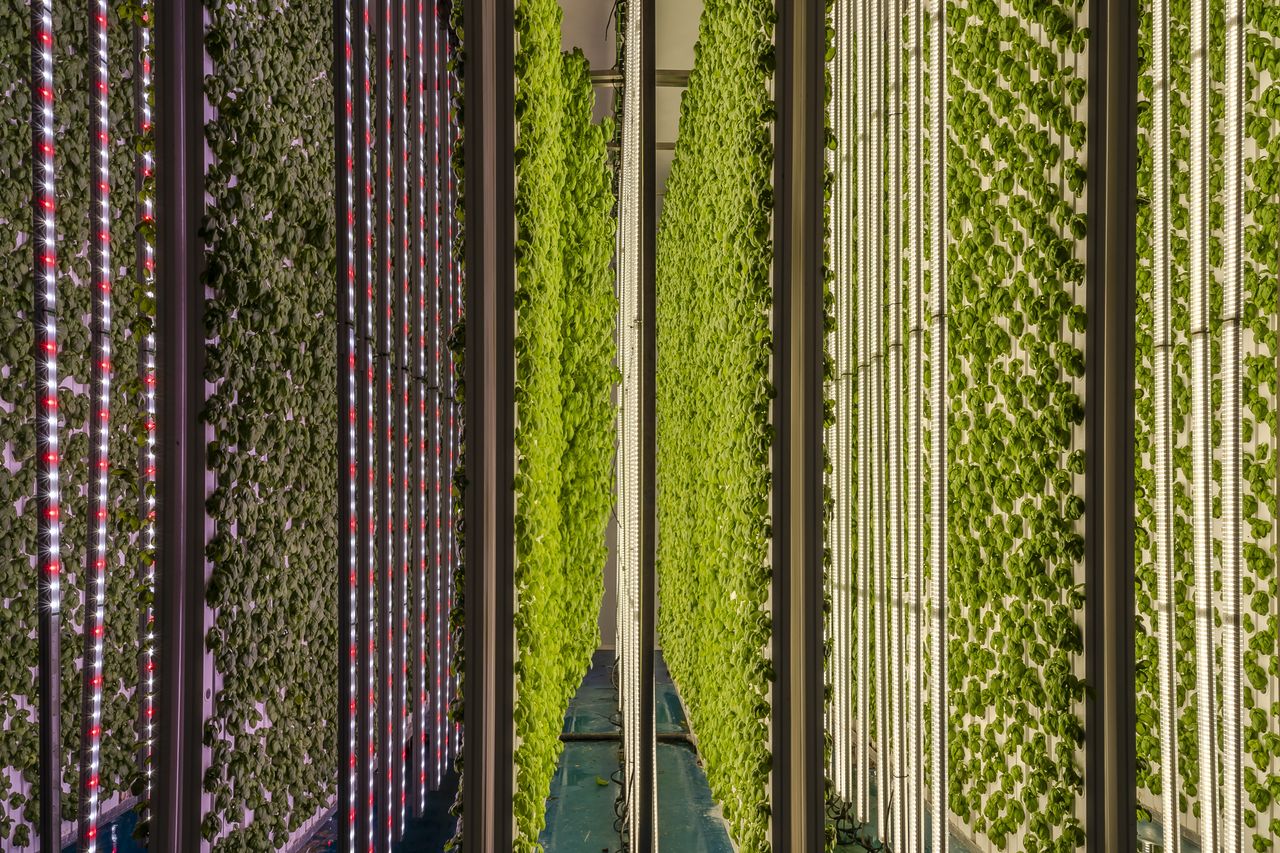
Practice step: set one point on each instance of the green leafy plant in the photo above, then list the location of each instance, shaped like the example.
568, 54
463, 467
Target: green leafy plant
564, 345
131, 313
271, 352
713, 394
1015, 385
1260, 586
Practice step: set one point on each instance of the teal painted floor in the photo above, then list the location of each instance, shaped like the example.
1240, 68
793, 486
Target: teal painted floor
580, 809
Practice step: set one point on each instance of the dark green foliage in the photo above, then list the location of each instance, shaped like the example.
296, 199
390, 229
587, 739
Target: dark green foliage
271, 352
713, 392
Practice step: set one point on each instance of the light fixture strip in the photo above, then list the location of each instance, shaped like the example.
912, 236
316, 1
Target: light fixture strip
455, 411
876, 470
915, 455
938, 414
1232, 392
351, 514
1202, 426
862, 403
44, 320
844, 337
400, 368
144, 168
367, 235
895, 449
441, 486
1162, 360
423, 328
94, 627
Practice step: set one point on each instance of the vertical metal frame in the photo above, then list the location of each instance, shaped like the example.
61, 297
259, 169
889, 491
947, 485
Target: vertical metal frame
180, 587
799, 149
647, 841
1110, 785
488, 594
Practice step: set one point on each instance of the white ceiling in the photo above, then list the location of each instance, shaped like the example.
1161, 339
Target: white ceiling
588, 24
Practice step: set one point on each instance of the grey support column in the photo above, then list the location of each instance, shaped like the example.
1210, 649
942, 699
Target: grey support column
797, 723
180, 582
489, 373
1110, 786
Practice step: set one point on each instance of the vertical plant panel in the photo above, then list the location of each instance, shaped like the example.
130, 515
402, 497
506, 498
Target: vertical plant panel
1016, 293
713, 391
564, 378
271, 354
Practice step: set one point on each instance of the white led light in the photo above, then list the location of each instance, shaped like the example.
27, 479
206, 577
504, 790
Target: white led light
100, 408
862, 402
938, 73
1165, 559
841, 434
350, 702
1232, 390
421, 705
898, 667
1201, 427
438, 689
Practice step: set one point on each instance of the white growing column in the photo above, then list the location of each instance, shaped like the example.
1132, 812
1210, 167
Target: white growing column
1202, 425
915, 455
1232, 299
862, 810
938, 415
897, 835
1166, 636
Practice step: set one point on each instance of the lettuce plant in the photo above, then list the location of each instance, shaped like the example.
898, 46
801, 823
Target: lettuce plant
1015, 385
564, 381
713, 397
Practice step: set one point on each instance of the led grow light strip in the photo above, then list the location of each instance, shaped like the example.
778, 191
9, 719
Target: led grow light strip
455, 315
894, 459
915, 431
1232, 299
420, 694
401, 368
44, 320
938, 413
99, 430
366, 232
441, 493
386, 429
1166, 635
863, 730
351, 519
145, 168
1202, 425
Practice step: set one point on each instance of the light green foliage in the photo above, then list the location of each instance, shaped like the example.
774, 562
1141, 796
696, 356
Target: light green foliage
1259, 432
564, 379
713, 392
18, 747
1015, 383
272, 352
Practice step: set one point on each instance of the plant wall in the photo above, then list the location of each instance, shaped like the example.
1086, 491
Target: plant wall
1016, 193
1260, 584
713, 392
19, 806
271, 354
564, 380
